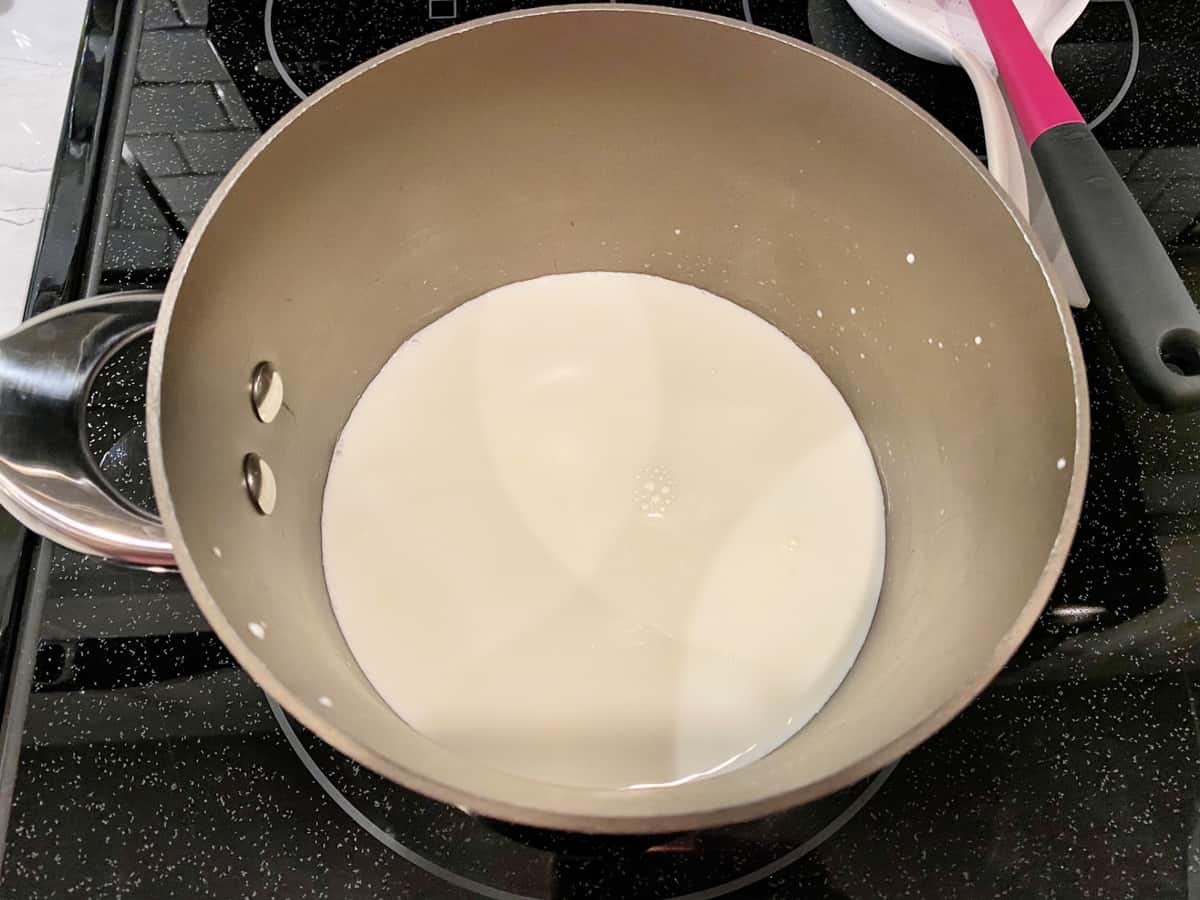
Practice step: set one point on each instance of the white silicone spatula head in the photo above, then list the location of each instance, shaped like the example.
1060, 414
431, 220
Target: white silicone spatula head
937, 30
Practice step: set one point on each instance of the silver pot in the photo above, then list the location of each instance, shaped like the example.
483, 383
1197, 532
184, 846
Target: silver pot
569, 139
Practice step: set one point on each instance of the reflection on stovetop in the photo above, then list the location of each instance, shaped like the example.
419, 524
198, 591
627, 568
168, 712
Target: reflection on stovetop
152, 766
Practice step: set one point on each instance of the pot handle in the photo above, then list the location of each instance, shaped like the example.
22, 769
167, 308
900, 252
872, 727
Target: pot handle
48, 479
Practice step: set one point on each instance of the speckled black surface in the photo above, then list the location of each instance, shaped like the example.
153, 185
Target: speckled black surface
152, 767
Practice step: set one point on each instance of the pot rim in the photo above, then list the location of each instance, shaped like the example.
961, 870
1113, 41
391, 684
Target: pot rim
307, 712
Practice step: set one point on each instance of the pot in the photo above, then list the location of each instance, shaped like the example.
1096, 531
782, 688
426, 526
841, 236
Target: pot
572, 139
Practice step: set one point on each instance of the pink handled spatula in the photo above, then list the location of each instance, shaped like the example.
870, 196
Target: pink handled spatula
1146, 309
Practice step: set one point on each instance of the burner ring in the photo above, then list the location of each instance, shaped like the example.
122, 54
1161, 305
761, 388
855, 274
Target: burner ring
364, 821
1135, 52
269, 34
1118, 98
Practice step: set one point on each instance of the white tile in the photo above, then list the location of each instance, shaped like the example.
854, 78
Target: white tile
39, 40
32, 101
22, 200
41, 31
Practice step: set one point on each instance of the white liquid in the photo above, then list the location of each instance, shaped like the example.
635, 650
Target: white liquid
603, 530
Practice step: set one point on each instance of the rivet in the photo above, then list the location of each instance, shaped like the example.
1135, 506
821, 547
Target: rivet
260, 483
266, 391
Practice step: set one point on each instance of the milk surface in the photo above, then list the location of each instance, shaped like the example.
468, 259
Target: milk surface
603, 529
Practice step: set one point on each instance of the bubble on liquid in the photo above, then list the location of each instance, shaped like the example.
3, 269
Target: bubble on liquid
216, 551
820, 315
258, 629
679, 231
910, 258
1061, 464
978, 340
853, 311
654, 492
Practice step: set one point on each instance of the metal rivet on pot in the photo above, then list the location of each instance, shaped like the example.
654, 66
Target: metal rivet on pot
266, 391
260, 483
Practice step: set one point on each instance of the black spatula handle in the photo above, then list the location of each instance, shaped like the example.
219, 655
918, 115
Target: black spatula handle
1147, 311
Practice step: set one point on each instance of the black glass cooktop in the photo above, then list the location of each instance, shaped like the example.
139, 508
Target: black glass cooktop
150, 766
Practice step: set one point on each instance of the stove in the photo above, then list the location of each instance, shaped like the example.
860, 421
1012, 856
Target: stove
138, 761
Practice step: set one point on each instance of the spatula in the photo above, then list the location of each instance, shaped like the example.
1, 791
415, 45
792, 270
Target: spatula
1145, 306
945, 31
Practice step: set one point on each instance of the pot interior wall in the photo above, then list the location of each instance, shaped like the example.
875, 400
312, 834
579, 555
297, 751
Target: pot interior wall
584, 140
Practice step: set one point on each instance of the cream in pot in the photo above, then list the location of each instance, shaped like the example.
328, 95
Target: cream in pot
605, 530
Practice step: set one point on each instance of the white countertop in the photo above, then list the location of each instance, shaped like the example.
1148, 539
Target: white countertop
39, 40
